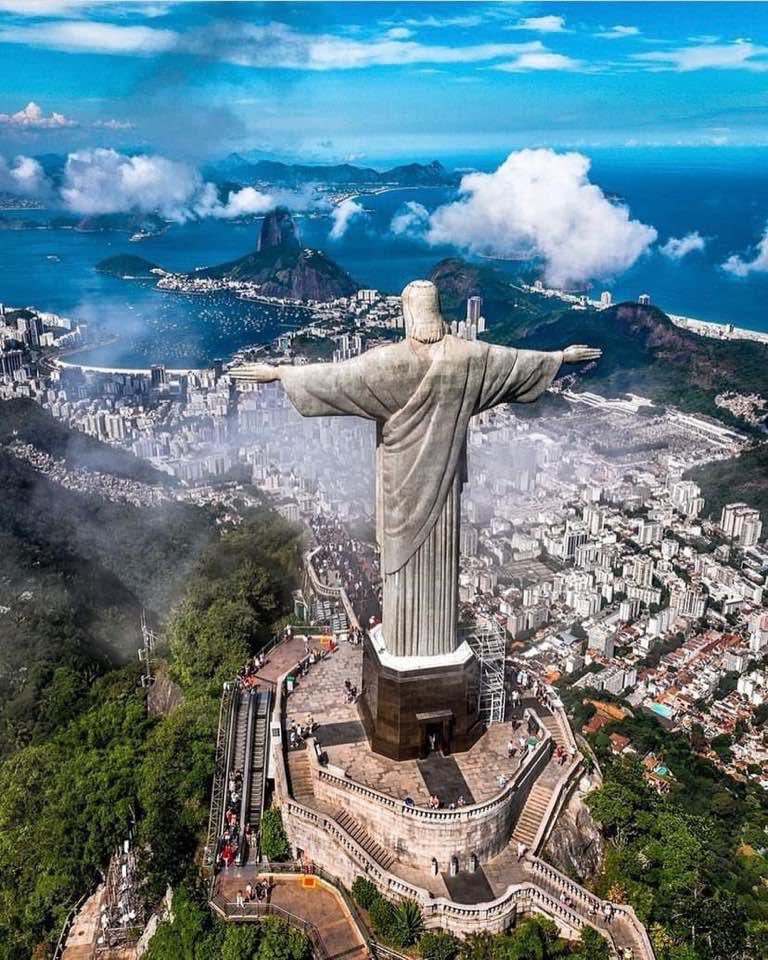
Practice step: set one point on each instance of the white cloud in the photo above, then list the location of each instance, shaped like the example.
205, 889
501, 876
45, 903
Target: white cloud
546, 24
343, 215
32, 118
739, 55
24, 176
91, 37
678, 247
539, 204
758, 264
248, 202
618, 32
114, 124
412, 220
256, 45
104, 181
399, 33
544, 60
464, 20
100, 181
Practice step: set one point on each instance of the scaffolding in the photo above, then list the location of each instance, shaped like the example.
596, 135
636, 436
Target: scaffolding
122, 913
147, 652
486, 639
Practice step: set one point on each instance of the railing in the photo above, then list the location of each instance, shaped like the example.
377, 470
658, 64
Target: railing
251, 910
324, 590
556, 803
595, 906
67, 926
531, 766
222, 762
440, 909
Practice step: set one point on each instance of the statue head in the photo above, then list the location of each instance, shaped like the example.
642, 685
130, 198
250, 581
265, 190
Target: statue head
421, 310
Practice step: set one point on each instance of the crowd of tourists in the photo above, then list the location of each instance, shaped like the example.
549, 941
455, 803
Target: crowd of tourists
350, 563
232, 836
247, 676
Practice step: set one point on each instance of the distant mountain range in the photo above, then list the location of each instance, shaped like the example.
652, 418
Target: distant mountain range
643, 351
238, 168
280, 265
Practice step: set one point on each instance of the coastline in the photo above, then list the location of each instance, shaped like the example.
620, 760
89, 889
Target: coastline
703, 328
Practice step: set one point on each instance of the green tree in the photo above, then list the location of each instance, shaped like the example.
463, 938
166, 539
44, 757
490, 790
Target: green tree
438, 946
279, 941
407, 923
592, 945
382, 915
272, 839
364, 892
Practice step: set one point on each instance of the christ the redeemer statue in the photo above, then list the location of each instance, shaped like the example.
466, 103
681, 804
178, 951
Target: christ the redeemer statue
422, 392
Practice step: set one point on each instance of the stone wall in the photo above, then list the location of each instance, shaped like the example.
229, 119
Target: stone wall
414, 835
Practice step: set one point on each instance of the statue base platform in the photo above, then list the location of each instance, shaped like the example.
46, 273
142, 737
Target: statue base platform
410, 705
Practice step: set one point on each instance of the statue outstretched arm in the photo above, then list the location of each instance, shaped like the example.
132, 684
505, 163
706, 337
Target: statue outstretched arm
256, 373
347, 388
581, 353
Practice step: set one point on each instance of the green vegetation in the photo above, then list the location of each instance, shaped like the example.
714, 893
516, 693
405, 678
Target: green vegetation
196, 935
272, 840
127, 265
740, 478
75, 573
365, 893
643, 351
25, 421
402, 926
83, 756
693, 861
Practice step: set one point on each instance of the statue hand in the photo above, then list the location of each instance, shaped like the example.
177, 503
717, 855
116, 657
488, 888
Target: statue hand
255, 373
580, 353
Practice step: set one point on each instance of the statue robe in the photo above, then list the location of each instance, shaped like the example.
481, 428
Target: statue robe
422, 404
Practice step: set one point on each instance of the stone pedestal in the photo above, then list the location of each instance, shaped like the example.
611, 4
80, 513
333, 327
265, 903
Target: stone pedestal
410, 705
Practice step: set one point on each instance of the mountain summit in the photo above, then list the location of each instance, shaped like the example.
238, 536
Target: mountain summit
283, 268
279, 231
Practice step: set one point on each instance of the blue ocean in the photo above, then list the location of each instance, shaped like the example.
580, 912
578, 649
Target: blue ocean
722, 193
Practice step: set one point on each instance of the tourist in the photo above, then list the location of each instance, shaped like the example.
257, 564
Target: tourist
249, 894
240, 900
461, 802
510, 749
521, 850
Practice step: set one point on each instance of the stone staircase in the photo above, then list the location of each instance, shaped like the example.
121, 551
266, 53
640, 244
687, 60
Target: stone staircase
366, 841
300, 774
554, 729
532, 814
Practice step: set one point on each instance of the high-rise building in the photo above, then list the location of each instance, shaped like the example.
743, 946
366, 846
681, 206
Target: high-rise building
157, 375
606, 298
741, 522
758, 633
686, 498
644, 299
648, 532
574, 536
687, 601
643, 571
474, 306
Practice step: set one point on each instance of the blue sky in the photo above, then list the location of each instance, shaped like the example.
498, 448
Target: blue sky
380, 81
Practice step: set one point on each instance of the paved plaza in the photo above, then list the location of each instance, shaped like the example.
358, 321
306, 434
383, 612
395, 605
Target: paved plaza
474, 774
306, 896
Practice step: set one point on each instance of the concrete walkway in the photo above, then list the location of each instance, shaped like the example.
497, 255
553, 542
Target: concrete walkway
307, 897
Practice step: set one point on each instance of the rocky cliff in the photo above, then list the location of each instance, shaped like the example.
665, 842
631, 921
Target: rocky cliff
575, 846
282, 268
